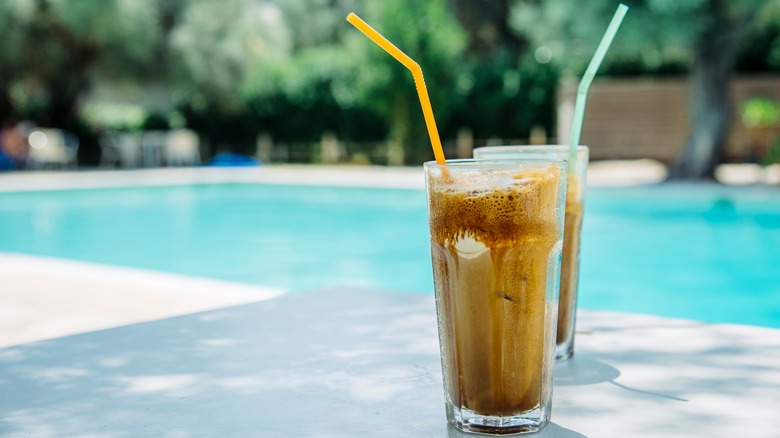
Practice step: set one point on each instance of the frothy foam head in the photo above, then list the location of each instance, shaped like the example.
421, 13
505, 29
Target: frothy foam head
495, 207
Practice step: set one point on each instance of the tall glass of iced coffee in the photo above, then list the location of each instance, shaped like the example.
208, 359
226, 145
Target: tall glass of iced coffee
496, 241
575, 204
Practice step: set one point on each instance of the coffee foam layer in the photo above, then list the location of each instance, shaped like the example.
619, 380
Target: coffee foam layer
494, 208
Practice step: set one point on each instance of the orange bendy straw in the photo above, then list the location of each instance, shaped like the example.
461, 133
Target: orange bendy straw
417, 74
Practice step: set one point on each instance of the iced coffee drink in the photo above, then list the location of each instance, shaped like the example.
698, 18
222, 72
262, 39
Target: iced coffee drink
496, 240
575, 202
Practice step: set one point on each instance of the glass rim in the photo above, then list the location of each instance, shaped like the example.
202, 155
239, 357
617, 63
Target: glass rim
497, 163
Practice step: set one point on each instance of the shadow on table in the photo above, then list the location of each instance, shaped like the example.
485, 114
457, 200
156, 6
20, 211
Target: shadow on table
584, 369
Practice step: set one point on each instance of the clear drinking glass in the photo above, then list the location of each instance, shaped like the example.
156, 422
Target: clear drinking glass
496, 241
575, 203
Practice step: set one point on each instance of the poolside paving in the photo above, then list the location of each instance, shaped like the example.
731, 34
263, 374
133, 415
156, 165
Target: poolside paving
363, 176
600, 173
43, 298
605, 173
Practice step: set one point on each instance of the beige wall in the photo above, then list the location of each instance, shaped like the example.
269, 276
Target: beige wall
648, 118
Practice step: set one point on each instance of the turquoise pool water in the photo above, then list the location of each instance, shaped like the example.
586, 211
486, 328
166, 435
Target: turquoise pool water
700, 252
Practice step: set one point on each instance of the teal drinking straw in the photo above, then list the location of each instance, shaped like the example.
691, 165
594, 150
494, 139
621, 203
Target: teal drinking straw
587, 78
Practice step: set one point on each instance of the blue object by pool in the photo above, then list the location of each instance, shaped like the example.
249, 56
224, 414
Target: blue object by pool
229, 159
6, 163
701, 252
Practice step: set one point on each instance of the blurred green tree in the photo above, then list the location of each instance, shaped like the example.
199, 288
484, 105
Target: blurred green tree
10, 54
214, 47
488, 27
308, 92
159, 54
54, 49
429, 33
296, 69
700, 37
217, 43
336, 79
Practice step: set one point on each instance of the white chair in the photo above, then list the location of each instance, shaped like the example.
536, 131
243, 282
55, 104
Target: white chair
182, 148
52, 147
110, 155
129, 147
152, 143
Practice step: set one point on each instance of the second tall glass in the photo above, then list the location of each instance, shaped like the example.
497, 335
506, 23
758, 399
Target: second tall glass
575, 203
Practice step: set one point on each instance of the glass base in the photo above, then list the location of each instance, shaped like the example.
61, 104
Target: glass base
469, 421
565, 350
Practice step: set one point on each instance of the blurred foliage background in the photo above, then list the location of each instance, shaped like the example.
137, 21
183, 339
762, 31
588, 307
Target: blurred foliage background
294, 69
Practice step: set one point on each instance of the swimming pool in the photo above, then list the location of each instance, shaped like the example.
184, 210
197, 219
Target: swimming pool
702, 252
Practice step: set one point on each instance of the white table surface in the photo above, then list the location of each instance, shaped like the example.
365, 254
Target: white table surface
363, 363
